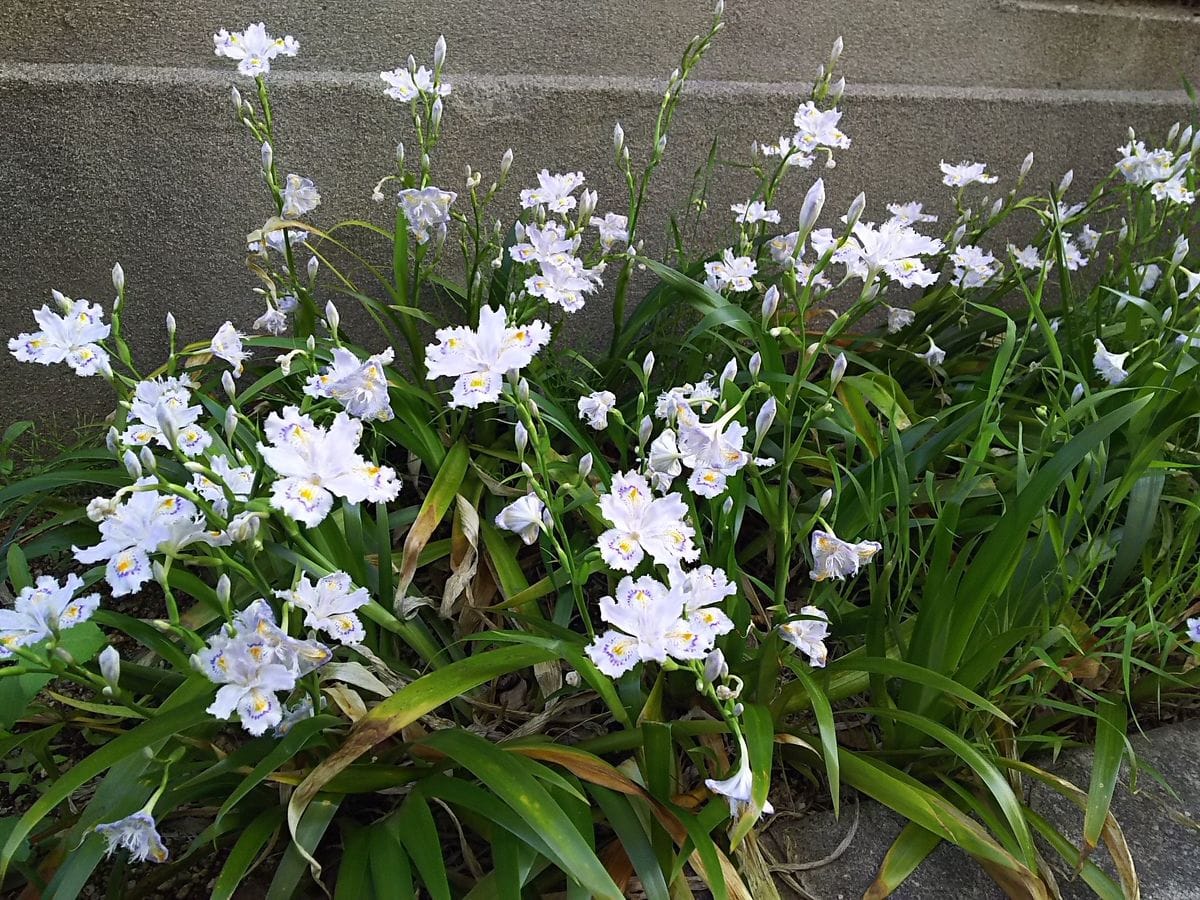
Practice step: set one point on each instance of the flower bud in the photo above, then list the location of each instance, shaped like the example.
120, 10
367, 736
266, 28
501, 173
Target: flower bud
400, 154
224, 588
715, 667
165, 627
523, 390
728, 373
228, 384
727, 506
738, 709
996, 207
435, 114
959, 233
838, 370
1172, 133
118, 277
645, 429
836, 90
526, 470
235, 97
755, 364
506, 162
585, 465
231, 423
662, 144
244, 527
112, 439
62, 653
836, 53
132, 466
1186, 137
764, 419
1077, 394
146, 456
821, 72
814, 201
332, 317
1065, 183
719, 9
648, 364
313, 264
170, 326
439, 53
572, 678
618, 139
825, 499
1026, 165
110, 670
268, 156
160, 573
587, 205
1180, 251
425, 162
857, 205
521, 438
166, 424
770, 302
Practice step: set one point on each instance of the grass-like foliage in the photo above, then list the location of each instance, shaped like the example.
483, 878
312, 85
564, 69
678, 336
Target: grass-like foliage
424, 601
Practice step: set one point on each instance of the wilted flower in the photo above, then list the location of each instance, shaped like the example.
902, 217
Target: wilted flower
595, 407
1111, 366
136, 833
426, 210
329, 605
934, 356
253, 48
480, 358
525, 516
835, 558
227, 345
808, 635
738, 788
899, 319
1193, 629
44, 610
299, 197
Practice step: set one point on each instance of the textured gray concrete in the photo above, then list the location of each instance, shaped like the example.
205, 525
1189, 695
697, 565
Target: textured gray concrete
996, 43
128, 152
1163, 832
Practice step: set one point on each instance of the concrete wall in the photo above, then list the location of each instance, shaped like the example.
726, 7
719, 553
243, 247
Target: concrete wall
117, 142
